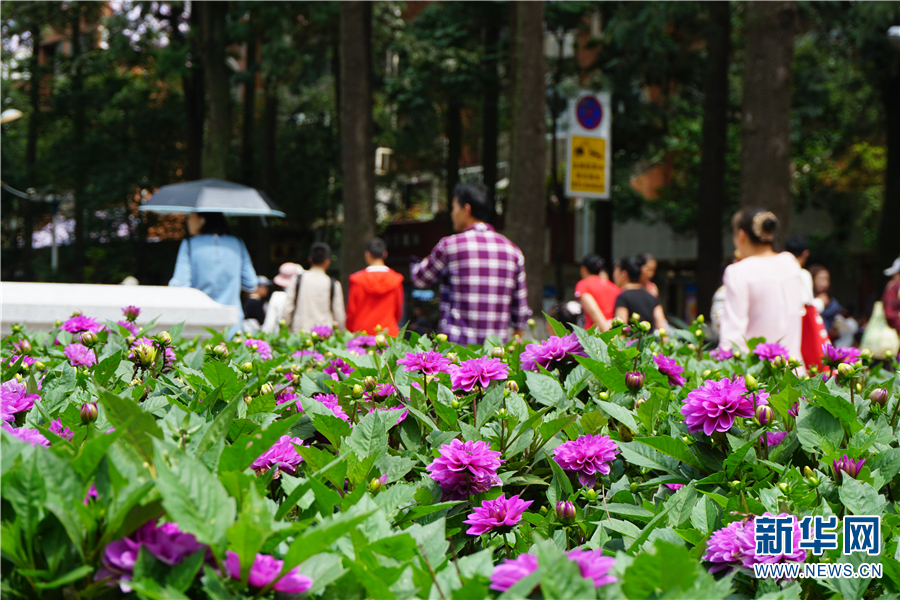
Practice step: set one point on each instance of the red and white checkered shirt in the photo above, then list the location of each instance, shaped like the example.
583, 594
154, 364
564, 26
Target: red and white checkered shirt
482, 277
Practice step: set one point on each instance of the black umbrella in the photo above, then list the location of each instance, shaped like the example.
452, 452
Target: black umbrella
212, 195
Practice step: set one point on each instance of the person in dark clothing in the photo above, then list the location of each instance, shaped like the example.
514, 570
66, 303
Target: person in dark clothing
635, 299
256, 302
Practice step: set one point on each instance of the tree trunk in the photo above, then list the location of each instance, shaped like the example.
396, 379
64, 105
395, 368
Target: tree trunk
31, 153
766, 121
526, 217
194, 104
212, 50
454, 144
563, 213
357, 151
78, 126
711, 195
888, 240
490, 111
249, 119
270, 129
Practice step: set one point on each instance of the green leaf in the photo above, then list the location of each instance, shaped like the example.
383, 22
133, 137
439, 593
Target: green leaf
593, 421
221, 375
783, 401
369, 438
194, 498
645, 456
841, 409
705, 516
489, 405
609, 376
64, 496
251, 530
24, 489
248, 447
669, 568
182, 575
736, 458
544, 389
92, 452
214, 587
560, 486
317, 539
681, 505
139, 428
675, 448
561, 577
70, 577
442, 407
619, 413
818, 430
860, 498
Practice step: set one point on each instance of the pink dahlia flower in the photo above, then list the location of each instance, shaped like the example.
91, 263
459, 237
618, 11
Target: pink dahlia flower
118, 563
14, 398
671, 369
131, 327
80, 355
131, 313
323, 331
834, 356
675, 486
27, 361
511, 570
771, 351
496, 514
749, 541
465, 468
81, 324
721, 354
92, 493
478, 372
265, 570
847, 465
57, 428
336, 368
282, 456
716, 405
429, 363
261, 347
302, 354
360, 344
773, 438
727, 549
593, 565
551, 352
29, 436
331, 401
588, 455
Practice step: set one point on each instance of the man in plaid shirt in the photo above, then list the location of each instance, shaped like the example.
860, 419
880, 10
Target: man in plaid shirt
482, 274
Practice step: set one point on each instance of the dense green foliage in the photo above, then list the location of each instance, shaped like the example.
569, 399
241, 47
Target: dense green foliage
175, 439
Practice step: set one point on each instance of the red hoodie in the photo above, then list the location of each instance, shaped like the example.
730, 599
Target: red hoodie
376, 298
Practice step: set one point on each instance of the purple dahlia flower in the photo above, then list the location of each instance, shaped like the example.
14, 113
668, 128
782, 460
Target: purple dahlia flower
261, 347
56, 427
726, 548
496, 514
429, 363
478, 372
675, 486
81, 324
14, 398
30, 436
847, 465
267, 569
301, 354
336, 368
721, 354
551, 352
773, 438
282, 456
27, 361
749, 541
323, 331
771, 351
588, 455
716, 405
131, 327
511, 570
593, 565
360, 344
834, 356
92, 493
465, 468
331, 401
131, 313
671, 369
80, 355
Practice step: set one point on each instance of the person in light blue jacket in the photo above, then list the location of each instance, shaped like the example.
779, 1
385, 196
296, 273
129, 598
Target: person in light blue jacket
215, 263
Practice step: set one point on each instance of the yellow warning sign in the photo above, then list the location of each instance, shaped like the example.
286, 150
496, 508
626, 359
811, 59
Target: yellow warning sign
588, 165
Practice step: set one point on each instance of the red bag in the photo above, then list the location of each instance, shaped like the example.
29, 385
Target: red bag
814, 335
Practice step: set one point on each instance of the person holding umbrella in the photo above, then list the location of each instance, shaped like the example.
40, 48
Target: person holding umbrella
215, 263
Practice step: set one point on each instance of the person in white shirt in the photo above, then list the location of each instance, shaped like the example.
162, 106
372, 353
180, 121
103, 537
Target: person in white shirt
764, 294
314, 298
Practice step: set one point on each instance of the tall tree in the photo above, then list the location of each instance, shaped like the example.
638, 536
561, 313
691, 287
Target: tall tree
79, 118
711, 196
357, 151
212, 17
769, 29
490, 115
34, 91
526, 221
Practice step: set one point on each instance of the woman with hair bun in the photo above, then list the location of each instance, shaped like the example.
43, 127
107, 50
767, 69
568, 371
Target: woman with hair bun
764, 291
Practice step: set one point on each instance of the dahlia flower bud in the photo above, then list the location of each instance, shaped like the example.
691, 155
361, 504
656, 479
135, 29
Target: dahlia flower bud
590, 494
58, 323
699, 333
502, 414
779, 362
374, 486
454, 404
692, 347
736, 354
88, 338
247, 367
497, 352
314, 335
638, 402
845, 370
635, 318
295, 369
266, 388
39, 366
634, 380
370, 382
879, 396
357, 391
565, 511
603, 396
221, 350
633, 487
859, 387
248, 399
17, 328
783, 487
888, 355
645, 326
441, 337
687, 439
706, 373
452, 357
751, 383
511, 348
144, 355
735, 485
793, 363
531, 323
626, 434
164, 338
136, 382
847, 465
543, 510
807, 472
662, 332
380, 341
77, 313
23, 346
88, 412
616, 322
865, 354
764, 414
813, 481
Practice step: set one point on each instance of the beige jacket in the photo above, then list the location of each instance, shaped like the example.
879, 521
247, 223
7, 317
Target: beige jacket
312, 308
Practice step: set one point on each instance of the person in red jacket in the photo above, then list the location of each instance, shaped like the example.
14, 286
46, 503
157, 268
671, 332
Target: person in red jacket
376, 294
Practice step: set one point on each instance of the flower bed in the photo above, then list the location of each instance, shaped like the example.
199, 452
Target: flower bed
339, 466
